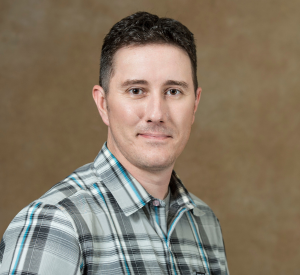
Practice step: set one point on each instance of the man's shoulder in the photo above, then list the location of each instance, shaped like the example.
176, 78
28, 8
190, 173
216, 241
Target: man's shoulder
64, 200
199, 203
202, 207
64, 197
74, 185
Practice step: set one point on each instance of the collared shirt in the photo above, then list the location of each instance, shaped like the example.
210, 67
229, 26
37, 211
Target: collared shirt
100, 220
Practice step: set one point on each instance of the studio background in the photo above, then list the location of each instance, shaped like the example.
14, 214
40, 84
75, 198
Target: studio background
243, 155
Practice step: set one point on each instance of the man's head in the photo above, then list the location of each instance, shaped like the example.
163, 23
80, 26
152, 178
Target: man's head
152, 98
143, 28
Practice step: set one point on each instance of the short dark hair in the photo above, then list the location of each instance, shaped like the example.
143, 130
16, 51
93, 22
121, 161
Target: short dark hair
143, 28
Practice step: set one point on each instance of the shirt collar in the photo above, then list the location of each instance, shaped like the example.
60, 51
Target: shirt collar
127, 191
179, 193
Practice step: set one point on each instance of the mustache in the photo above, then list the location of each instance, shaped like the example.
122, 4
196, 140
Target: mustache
161, 129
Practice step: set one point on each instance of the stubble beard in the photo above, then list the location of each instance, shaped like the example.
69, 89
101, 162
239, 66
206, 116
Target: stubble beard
147, 159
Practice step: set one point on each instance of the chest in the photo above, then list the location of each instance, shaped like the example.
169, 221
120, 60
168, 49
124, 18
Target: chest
137, 245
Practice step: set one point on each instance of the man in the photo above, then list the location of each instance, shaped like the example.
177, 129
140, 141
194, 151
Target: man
128, 212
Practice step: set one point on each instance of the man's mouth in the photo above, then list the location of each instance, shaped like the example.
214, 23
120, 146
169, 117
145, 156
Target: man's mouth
154, 136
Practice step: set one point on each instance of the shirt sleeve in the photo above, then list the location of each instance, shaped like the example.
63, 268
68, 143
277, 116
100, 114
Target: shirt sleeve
40, 240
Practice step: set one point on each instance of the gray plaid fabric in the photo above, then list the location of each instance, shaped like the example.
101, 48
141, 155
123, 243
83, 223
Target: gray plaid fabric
100, 220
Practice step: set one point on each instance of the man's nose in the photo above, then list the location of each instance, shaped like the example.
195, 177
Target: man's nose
156, 109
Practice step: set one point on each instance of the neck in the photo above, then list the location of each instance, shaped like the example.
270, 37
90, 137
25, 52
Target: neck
156, 183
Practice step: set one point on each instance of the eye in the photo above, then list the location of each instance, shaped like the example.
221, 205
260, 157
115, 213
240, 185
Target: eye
173, 92
136, 91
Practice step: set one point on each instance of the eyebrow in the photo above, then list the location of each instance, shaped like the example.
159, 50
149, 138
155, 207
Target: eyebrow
182, 84
129, 82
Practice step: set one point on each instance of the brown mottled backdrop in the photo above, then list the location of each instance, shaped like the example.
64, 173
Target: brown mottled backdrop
244, 152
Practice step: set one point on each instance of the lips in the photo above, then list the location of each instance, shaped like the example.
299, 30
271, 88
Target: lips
155, 136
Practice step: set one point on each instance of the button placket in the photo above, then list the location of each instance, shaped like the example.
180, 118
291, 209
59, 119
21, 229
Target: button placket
155, 202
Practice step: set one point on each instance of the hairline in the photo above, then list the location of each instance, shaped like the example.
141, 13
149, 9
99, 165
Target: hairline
137, 44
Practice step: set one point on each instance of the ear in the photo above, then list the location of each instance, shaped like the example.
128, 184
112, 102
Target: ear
100, 100
197, 99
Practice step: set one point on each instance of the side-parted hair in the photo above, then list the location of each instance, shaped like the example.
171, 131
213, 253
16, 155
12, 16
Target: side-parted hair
143, 28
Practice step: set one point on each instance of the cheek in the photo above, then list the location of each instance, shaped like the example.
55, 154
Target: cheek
125, 114
183, 117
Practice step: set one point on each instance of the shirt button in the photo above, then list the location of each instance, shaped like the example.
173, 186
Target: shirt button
156, 202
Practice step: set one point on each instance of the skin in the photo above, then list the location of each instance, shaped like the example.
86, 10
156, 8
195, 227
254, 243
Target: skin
149, 111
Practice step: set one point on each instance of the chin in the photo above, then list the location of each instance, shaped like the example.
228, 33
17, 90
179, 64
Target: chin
155, 163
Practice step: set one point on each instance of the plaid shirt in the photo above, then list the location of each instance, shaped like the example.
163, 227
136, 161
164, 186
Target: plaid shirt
100, 220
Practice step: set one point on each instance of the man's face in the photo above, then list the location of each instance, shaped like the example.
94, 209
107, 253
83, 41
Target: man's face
150, 106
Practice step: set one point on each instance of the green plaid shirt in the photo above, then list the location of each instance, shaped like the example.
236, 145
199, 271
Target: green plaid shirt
100, 220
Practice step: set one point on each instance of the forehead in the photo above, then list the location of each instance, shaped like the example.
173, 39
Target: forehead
152, 62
